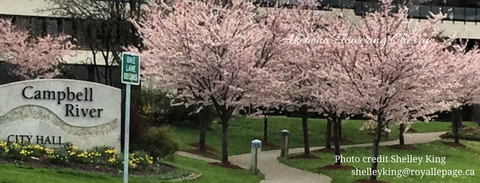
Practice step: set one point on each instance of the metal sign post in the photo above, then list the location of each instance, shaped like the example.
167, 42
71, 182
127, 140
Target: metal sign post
284, 144
130, 76
256, 148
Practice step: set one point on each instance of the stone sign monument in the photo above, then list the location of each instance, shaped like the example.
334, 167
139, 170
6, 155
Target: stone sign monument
55, 111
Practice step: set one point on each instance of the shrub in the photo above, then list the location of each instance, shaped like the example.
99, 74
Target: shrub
21, 151
105, 152
159, 142
34, 150
3, 147
475, 136
70, 153
73, 152
139, 124
140, 158
29, 150
18, 151
58, 156
155, 104
94, 155
136, 158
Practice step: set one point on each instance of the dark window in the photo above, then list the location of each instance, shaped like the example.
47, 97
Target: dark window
53, 28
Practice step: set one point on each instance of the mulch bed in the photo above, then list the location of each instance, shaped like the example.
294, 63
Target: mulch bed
402, 147
207, 154
327, 150
454, 144
231, 166
369, 181
211, 152
93, 168
411, 130
373, 134
337, 167
468, 130
209, 148
303, 156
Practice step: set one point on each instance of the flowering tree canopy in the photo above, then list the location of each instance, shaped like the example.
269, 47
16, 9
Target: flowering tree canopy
463, 75
400, 66
301, 66
399, 69
209, 51
214, 54
32, 58
304, 64
336, 90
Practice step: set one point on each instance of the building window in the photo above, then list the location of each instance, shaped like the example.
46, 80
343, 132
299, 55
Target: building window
68, 28
22, 23
53, 28
38, 27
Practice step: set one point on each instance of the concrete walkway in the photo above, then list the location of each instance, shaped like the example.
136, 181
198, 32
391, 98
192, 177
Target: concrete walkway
276, 172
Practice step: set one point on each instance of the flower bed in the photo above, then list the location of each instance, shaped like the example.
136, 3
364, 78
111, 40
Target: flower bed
99, 159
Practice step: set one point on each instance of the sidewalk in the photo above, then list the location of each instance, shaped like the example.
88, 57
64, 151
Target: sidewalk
276, 172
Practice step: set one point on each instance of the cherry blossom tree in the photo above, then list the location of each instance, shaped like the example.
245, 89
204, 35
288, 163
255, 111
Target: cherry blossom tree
334, 92
277, 21
390, 74
213, 54
333, 105
302, 69
32, 57
403, 123
463, 77
313, 76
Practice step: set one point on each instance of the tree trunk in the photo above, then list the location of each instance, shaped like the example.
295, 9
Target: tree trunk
376, 142
224, 120
340, 129
336, 133
225, 114
304, 111
456, 123
401, 135
460, 122
265, 128
202, 128
328, 139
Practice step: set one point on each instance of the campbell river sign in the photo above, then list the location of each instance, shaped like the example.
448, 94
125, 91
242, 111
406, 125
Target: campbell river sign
55, 111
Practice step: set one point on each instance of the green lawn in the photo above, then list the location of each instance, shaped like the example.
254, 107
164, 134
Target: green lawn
214, 174
243, 130
436, 126
455, 158
210, 174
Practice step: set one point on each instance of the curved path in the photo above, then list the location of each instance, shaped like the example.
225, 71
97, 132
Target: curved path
276, 172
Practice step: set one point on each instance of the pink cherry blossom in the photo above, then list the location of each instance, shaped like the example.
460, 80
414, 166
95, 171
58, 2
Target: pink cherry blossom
32, 58
213, 54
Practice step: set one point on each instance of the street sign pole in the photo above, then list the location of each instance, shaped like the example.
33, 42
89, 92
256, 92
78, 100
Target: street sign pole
127, 134
130, 76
